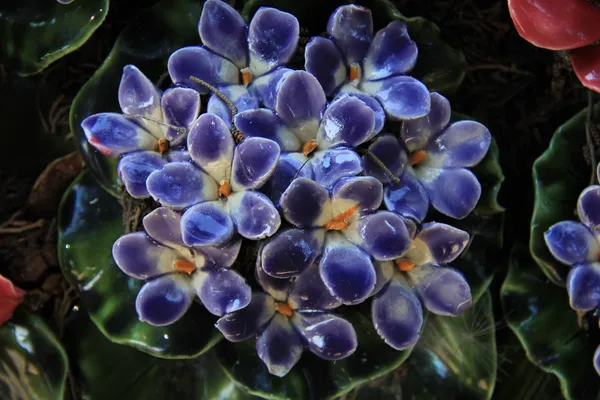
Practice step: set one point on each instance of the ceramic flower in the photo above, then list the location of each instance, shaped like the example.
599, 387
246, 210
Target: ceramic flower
232, 52
431, 160
10, 297
175, 273
288, 317
150, 125
353, 60
219, 185
420, 278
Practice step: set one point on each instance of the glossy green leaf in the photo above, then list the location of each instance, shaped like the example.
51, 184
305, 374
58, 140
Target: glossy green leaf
104, 370
146, 43
559, 176
33, 364
538, 312
90, 220
439, 66
35, 33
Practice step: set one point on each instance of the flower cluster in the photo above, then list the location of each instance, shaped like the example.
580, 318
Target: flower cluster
577, 244
299, 164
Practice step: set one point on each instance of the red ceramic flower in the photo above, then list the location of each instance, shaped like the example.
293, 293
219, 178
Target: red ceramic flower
10, 297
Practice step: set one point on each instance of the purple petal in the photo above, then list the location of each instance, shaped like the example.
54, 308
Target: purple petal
265, 123
272, 39
305, 203
391, 153
267, 86
392, 52
279, 346
134, 170
222, 290
417, 133
331, 165
164, 300
291, 251
408, 197
352, 28
347, 272
384, 270
180, 107
203, 64
347, 121
222, 256
440, 243
597, 360
572, 242
300, 102
328, 336
139, 96
364, 191
583, 285
206, 224
163, 225
325, 61
247, 322
178, 155
254, 161
371, 102
239, 95
588, 207
397, 315
211, 146
277, 288
179, 185
443, 291
223, 30
289, 166
454, 192
462, 144
141, 258
402, 97
383, 235
310, 293
254, 214
113, 134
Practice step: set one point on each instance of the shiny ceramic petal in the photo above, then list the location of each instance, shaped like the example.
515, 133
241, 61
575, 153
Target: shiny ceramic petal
134, 169
222, 256
207, 224
417, 133
163, 226
164, 300
277, 288
588, 207
310, 293
392, 52
241, 97
180, 107
364, 191
352, 28
305, 204
572, 242
438, 243
113, 134
289, 167
583, 285
391, 153
462, 144
325, 61
331, 165
408, 197
279, 346
254, 161
370, 101
245, 323
597, 360
265, 88
328, 336
347, 121
443, 291
254, 215
265, 123
383, 235
140, 257
139, 96
291, 251
402, 97
384, 271
221, 290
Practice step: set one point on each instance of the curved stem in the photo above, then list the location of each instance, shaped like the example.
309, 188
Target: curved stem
179, 129
381, 165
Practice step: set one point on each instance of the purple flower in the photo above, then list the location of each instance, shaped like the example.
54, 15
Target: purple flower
420, 279
431, 161
175, 273
291, 316
218, 185
370, 67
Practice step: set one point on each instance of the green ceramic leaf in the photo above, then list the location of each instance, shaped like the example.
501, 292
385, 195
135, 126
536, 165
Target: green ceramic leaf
538, 312
559, 176
439, 66
313, 377
33, 364
35, 33
89, 223
147, 43
105, 371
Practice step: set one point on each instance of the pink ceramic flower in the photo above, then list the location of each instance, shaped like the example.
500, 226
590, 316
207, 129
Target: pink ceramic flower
10, 297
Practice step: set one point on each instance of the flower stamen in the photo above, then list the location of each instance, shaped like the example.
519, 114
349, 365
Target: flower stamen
354, 72
417, 157
184, 266
247, 77
341, 221
405, 265
163, 145
309, 147
284, 309
224, 188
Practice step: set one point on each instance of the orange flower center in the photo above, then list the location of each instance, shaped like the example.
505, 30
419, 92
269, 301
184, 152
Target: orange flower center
184, 266
247, 77
354, 72
224, 188
405, 265
163, 145
341, 221
417, 157
284, 309
309, 147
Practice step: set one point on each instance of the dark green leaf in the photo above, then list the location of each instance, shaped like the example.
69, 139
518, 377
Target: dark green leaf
33, 364
90, 220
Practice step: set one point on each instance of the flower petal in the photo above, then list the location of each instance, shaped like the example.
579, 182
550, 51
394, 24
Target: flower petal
11, 296
597, 360
418, 132
134, 170
571, 242
331, 165
265, 88
383, 235
179, 185
222, 256
347, 121
239, 95
454, 191
178, 155
328, 336
141, 258
347, 271
277, 288
305, 204
364, 191
438, 243
370, 101
443, 291
221, 290
223, 30
254, 161
272, 39
164, 226
408, 197
180, 107
310, 293
113, 134
203, 64
588, 207
384, 270
583, 285
279, 346
164, 300
289, 166
397, 315
245, 323
392, 52
462, 144
300, 102
291, 251
254, 214
390, 152
352, 28
211, 146
586, 65
325, 61
206, 224
402, 97
139, 96
265, 123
